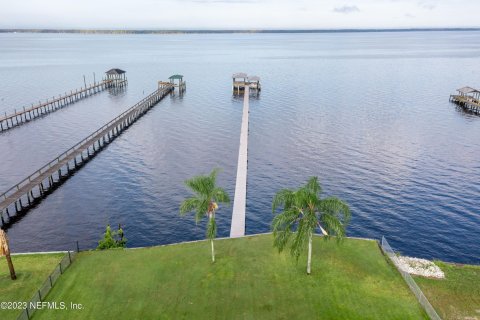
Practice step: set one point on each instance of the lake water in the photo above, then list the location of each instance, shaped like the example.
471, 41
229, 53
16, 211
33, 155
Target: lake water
366, 112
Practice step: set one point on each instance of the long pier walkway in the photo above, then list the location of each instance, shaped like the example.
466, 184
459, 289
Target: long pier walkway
19, 117
237, 228
16, 201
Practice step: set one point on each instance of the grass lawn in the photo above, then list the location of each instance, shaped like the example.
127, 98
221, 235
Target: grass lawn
32, 271
249, 280
458, 295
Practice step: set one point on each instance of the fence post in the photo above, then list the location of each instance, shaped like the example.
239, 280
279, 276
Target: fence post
69, 257
39, 296
78, 248
60, 265
50, 278
421, 298
28, 314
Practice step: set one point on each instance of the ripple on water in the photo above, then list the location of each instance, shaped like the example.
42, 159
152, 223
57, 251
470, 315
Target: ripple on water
375, 126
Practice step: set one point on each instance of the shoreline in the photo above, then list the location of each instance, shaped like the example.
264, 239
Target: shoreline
226, 31
225, 238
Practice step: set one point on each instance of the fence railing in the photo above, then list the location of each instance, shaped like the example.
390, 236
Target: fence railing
76, 146
409, 280
41, 293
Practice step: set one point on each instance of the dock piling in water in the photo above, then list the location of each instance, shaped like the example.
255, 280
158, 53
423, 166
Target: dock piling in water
61, 168
468, 98
242, 80
116, 80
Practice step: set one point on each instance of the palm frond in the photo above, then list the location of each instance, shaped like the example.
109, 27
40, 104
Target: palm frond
285, 198
213, 174
334, 216
314, 185
303, 210
282, 226
220, 195
336, 207
306, 227
201, 209
201, 185
188, 205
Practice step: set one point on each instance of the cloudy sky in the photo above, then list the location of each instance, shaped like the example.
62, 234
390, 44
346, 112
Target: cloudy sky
238, 14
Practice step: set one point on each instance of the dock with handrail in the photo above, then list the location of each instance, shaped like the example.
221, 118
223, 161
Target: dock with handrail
16, 201
468, 98
27, 114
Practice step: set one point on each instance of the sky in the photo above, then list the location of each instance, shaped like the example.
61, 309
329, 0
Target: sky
238, 14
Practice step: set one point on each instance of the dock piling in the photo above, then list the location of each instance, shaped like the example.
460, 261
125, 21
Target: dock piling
13, 196
51, 105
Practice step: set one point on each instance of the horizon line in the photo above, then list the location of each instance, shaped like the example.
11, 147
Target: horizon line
226, 31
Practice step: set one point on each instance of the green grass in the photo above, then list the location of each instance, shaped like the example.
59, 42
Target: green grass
32, 271
250, 280
458, 295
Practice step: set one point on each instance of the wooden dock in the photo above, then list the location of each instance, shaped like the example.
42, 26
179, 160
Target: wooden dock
19, 117
467, 103
237, 228
241, 81
468, 98
16, 201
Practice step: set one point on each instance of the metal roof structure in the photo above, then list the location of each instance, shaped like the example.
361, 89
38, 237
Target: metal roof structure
239, 75
176, 77
466, 90
115, 71
254, 78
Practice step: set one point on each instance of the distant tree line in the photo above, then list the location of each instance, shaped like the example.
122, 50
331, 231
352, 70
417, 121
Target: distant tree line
199, 31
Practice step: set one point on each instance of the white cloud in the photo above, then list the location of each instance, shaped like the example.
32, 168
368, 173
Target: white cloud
237, 14
346, 9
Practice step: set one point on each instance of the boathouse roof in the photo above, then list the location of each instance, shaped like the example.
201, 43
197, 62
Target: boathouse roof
176, 77
466, 90
254, 78
239, 75
115, 71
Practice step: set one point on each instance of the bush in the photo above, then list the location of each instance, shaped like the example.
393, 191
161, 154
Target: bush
115, 239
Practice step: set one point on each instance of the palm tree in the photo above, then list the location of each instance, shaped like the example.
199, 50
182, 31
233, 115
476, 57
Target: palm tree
303, 211
204, 202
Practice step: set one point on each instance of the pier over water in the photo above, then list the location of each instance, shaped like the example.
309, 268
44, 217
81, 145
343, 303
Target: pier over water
16, 201
237, 228
468, 98
115, 78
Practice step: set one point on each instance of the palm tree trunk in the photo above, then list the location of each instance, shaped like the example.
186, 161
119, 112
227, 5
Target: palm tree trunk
210, 215
213, 251
13, 276
309, 261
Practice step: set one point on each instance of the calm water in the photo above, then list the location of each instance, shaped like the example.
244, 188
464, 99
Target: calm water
366, 112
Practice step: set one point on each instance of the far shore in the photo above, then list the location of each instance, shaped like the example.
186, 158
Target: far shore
223, 31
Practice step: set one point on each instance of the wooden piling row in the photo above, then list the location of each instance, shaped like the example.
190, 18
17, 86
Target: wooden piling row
16, 201
25, 115
466, 102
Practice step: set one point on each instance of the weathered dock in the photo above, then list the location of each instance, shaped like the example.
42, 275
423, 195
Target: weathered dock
468, 98
16, 201
242, 80
27, 114
237, 228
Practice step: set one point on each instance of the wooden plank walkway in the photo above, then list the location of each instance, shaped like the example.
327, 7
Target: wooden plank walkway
468, 103
45, 180
237, 228
42, 108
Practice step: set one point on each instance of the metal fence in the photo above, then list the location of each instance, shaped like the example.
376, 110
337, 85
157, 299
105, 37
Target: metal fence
41, 293
409, 280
